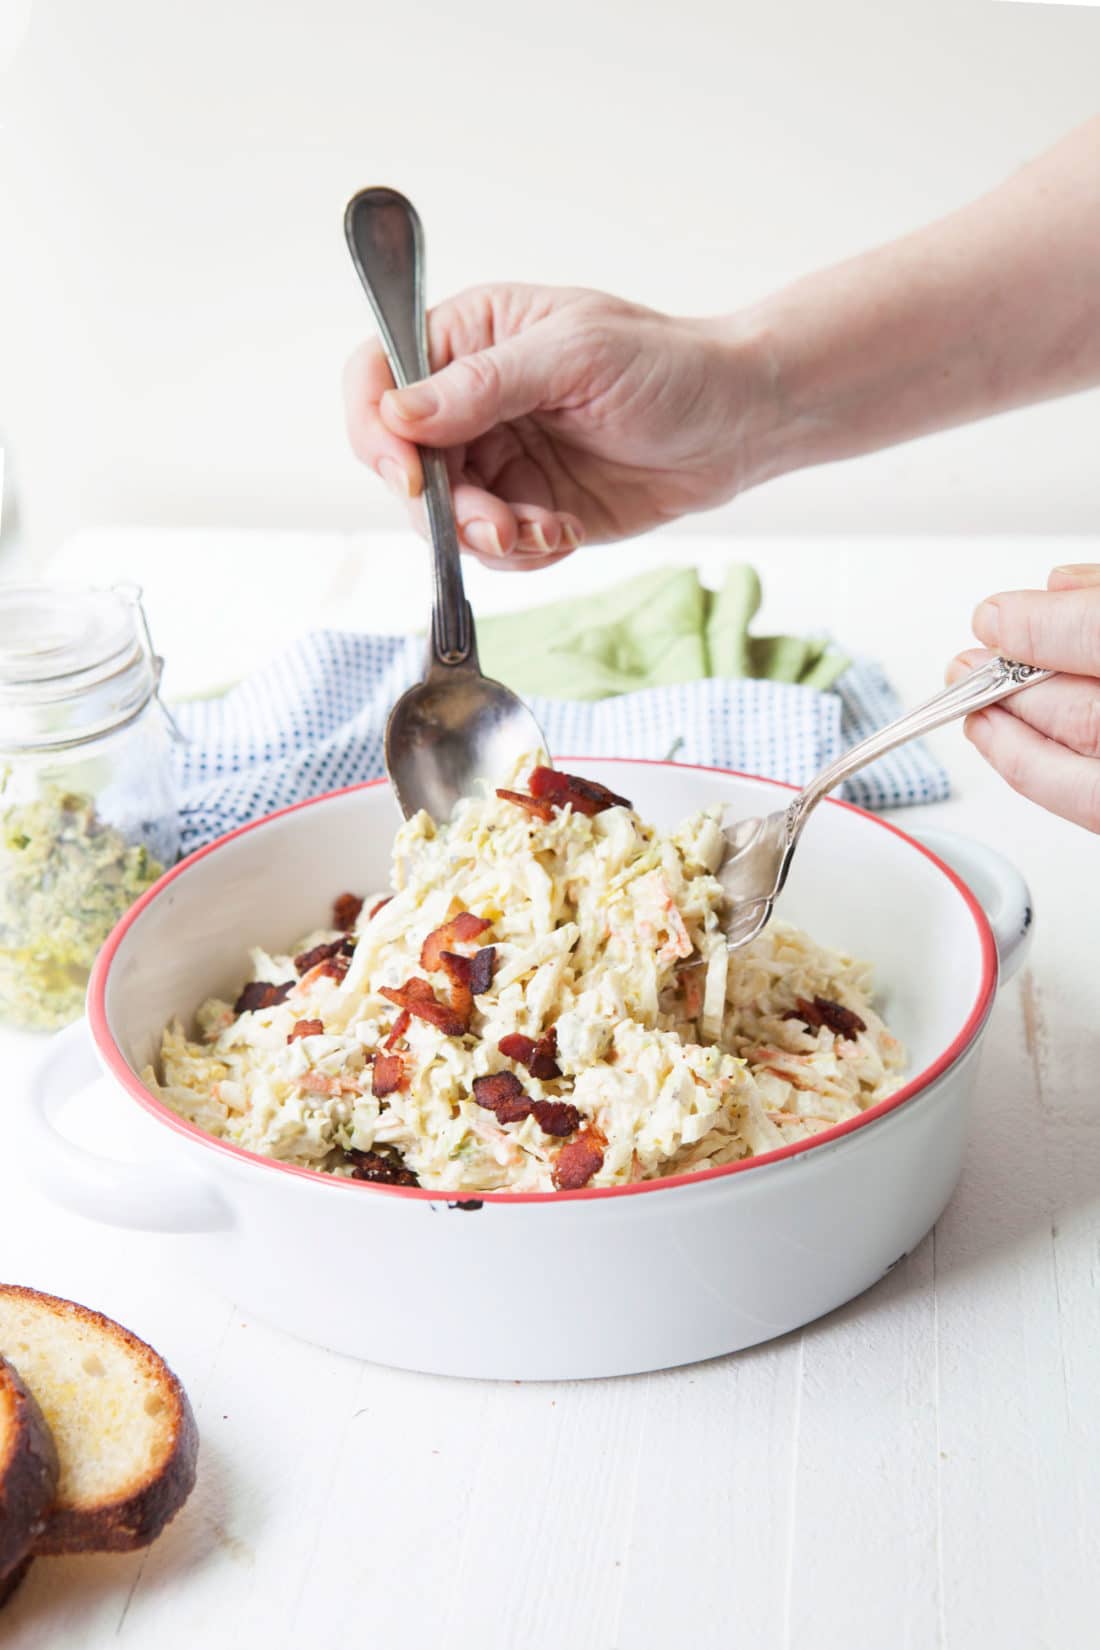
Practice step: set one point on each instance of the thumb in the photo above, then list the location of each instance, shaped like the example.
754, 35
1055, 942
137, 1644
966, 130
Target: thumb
472, 394
1074, 576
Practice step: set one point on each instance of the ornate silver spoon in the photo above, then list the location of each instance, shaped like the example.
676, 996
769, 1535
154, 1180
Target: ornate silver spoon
759, 851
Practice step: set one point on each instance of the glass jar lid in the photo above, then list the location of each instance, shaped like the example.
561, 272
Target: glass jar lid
74, 663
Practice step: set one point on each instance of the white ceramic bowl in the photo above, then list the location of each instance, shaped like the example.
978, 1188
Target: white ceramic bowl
595, 1282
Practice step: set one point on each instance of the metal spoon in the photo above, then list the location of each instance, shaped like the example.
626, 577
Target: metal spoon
759, 851
456, 726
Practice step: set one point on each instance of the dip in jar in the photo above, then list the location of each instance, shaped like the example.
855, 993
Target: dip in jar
87, 807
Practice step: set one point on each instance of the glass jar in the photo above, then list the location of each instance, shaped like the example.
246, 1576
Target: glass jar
87, 806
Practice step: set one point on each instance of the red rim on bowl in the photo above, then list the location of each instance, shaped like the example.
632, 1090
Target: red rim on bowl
116, 1063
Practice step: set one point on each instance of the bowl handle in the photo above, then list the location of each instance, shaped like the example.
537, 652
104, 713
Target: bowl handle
153, 1195
998, 887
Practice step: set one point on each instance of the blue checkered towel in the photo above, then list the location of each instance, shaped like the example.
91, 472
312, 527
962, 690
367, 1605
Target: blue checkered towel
312, 720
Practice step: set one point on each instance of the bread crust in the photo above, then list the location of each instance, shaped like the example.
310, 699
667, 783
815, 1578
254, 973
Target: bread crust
28, 1477
137, 1515
10, 1582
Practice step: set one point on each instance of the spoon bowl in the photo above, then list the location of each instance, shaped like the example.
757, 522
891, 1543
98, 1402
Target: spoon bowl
456, 726
449, 731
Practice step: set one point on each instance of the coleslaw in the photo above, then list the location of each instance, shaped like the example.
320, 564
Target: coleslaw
543, 1000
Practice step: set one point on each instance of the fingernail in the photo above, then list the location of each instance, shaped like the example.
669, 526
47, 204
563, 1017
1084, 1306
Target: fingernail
570, 535
533, 537
483, 537
985, 623
1081, 572
395, 477
418, 401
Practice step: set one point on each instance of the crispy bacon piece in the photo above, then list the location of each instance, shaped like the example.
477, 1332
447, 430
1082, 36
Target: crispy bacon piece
374, 910
585, 796
539, 1056
504, 1095
556, 1117
345, 911
466, 927
341, 947
400, 1026
421, 1001
457, 970
517, 1047
578, 1161
261, 994
483, 965
529, 804
333, 968
418, 990
457, 931
316, 954
543, 1063
476, 972
384, 1168
469, 977
843, 1022
387, 1074
305, 1028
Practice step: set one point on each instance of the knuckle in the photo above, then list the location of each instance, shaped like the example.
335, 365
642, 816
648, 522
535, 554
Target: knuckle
1056, 629
1090, 622
360, 417
591, 309
1024, 629
1083, 724
349, 378
477, 376
594, 327
1090, 800
355, 365
476, 300
1013, 773
359, 433
1008, 756
460, 325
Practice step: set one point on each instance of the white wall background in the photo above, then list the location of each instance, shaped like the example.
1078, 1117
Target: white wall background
175, 297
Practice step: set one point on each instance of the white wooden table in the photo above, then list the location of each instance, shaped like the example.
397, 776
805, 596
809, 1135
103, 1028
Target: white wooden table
920, 1469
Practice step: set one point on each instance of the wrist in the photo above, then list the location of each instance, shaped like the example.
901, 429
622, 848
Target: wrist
769, 433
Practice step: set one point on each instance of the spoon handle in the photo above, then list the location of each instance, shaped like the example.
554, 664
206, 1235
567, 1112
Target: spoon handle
386, 243
991, 682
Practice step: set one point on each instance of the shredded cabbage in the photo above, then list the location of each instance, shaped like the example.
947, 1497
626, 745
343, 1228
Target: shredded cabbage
676, 1054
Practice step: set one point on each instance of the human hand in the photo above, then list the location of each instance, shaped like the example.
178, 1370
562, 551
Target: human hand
567, 415
1046, 740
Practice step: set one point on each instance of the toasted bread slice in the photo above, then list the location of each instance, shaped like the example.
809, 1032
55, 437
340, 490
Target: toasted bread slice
11, 1581
28, 1478
126, 1438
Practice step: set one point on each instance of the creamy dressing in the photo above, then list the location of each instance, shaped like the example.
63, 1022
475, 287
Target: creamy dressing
591, 919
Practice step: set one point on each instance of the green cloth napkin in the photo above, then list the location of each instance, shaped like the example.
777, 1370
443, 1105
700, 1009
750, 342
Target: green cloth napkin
650, 631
